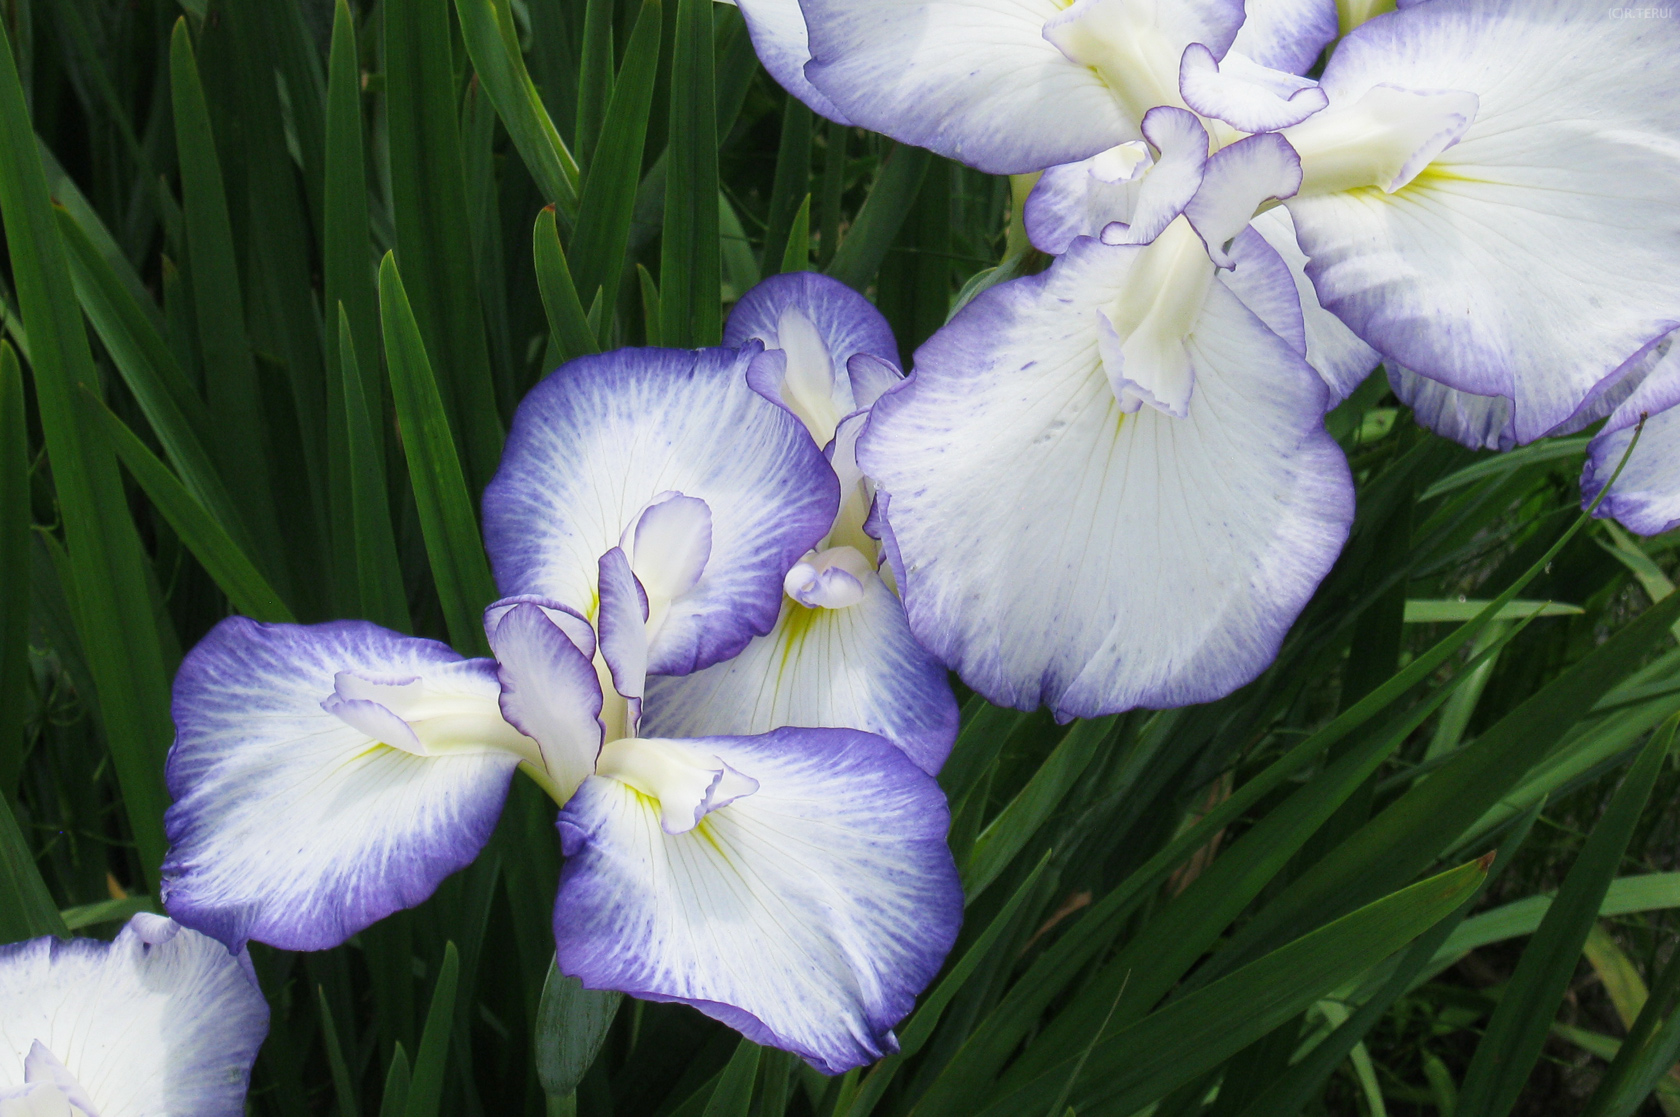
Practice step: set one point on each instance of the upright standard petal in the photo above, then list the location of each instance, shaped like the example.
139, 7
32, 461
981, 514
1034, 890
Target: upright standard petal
1341, 358
1057, 550
298, 826
604, 438
807, 913
857, 667
1287, 34
1244, 94
550, 693
1489, 270
979, 83
778, 35
160, 1022
1646, 497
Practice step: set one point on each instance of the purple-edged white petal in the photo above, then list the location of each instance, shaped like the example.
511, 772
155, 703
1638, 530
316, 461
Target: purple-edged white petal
857, 667
1170, 184
623, 624
1056, 550
568, 620
550, 693
978, 83
1646, 497
1238, 179
684, 780
1081, 199
1384, 138
669, 545
1335, 351
820, 326
605, 437
777, 28
1260, 278
1478, 422
161, 1021
871, 378
1244, 94
292, 826
1503, 268
1287, 34
808, 914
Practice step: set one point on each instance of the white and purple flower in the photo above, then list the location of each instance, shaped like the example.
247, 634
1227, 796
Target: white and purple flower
160, 1022
841, 652
794, 884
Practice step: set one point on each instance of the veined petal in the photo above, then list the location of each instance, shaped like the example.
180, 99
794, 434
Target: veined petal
1081, 199
857, 668
1341, 358
568, 620
596, 443
1646, 497
293, 827
871, 377
978, 83
550, 693
1244, 94
1238, 179
807, 915
159, 1022
1287, 34
1491, 271
623, 624
1055, 550
778, 35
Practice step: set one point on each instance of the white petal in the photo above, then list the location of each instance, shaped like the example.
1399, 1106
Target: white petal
808, 914
1341, 358
687, 783
1057, 551
623, 624
1535, 256
550, 691
1479, 422
1238, 179
1263, 282
159, 1022
598, 441
777, 28
977, 82
1170, 184
1384, 138
1646, 497
1136, 45
857, 668
1287, 34
291, 826
669, 544
1244, 94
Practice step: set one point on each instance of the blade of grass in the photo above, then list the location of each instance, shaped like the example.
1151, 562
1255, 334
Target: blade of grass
344, 1087
733, 1096
453, 545
572, 1024
1645, 1056
608, 204
1518, 1029
595, 77
1196, 1033
890, 200
425, 1091
429, 209
395, 1100
690, 270
27, 910
568, 327
378, 571
487, 30
116, 623
14, 572
224, 560
797, 256
792, 182
238, 427
347, 282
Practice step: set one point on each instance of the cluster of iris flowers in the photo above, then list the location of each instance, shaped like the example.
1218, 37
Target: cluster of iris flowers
734, 578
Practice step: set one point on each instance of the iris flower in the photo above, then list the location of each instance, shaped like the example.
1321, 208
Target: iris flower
160, 1022
1476, 176
1110, 485
795, 885
841, 652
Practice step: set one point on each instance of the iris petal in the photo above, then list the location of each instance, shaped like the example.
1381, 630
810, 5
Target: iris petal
807, 914
162, 1020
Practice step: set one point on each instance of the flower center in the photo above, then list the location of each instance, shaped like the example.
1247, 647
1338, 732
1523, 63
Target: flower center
428, 717
831, 579
1385, 139
1141, 335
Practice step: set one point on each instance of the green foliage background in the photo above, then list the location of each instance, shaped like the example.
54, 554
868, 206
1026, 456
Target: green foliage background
276, 274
